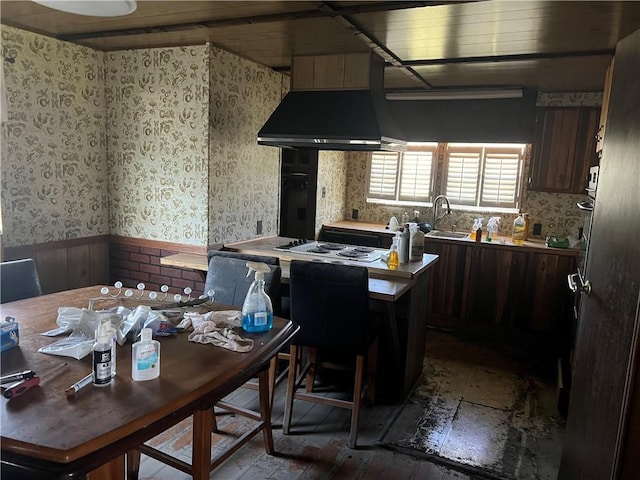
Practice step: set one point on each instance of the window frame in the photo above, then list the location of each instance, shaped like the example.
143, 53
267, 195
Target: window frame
397, 197
486, 149
438, 183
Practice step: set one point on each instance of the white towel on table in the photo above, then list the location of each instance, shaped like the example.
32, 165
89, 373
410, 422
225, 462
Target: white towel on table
216, 328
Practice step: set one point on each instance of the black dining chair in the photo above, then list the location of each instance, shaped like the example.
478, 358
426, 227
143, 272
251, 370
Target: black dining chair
330, 303
19, 280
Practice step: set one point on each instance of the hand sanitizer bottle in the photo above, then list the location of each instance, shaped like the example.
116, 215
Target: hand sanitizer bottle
257, 311
145, 357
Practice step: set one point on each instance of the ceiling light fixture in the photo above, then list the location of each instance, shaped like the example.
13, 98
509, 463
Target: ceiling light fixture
92, 8
472, 94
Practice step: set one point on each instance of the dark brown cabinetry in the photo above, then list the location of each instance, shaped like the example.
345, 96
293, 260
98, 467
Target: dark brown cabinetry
498, 286
505, 288
548, 297
449, 284
564, 148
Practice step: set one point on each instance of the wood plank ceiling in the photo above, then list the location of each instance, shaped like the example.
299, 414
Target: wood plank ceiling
543, 45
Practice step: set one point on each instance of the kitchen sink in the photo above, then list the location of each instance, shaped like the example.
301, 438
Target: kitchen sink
445, 234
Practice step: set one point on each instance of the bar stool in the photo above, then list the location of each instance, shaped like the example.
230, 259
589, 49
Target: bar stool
330, 303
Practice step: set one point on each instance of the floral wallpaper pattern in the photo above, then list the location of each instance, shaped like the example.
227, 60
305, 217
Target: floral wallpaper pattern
156, 144
244, 186
54, 166
157, 106
331, 190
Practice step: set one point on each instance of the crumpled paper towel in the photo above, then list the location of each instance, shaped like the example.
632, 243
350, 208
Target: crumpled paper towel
217, 328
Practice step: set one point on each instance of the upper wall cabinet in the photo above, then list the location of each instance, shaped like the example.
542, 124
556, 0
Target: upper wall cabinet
605, 109
564, 148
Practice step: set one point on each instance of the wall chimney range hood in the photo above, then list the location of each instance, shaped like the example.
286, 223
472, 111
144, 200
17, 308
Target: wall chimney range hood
336, 102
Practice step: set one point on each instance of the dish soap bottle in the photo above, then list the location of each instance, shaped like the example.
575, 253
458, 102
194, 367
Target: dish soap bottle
145, 357
518, 230
393, 261
257, 311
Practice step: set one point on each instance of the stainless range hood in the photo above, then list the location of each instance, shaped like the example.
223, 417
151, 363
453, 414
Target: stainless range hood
334, 105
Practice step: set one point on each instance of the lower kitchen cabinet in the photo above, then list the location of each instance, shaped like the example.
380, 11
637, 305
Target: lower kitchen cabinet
449, 283
504, 289
548, 298
497, 288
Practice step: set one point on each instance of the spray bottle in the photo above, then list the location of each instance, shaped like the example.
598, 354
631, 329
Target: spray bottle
492, 228
257, 312
102, 357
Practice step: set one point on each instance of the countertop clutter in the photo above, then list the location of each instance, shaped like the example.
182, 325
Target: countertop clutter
502, 242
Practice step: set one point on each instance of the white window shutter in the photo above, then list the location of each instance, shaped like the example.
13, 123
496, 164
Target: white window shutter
500, 179
415, 178
383, 175
462, 175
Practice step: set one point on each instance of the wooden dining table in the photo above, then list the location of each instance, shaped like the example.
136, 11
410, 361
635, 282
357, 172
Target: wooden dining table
88, 435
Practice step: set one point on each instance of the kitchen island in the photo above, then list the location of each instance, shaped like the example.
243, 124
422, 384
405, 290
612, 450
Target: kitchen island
402, 340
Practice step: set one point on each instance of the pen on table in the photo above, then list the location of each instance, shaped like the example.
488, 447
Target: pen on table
73, 389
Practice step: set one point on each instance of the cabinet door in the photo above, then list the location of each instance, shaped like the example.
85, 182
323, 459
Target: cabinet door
449, 284
563, 149
499, 279
549, 298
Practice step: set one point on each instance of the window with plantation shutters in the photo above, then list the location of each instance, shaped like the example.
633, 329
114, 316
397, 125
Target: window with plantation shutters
463, 170
405, 176
383, 175
477, 176
483, 175
415, 176
501, 177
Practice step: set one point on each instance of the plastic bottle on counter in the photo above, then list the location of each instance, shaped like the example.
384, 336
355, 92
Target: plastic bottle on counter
416, 243
518, 230
526, 226
405, 217
257, 311
393, 261
145, 357
477, 225
492, 228
403, 244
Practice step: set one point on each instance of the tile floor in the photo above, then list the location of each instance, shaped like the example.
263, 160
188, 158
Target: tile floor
468, 432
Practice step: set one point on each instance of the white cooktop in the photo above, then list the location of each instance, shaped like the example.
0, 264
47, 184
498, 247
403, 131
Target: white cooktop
334, 252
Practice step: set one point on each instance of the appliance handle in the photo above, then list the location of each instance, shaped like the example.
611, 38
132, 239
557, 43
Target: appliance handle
577, 283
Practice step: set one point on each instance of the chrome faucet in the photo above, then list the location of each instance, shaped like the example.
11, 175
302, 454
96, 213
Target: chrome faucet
437, 218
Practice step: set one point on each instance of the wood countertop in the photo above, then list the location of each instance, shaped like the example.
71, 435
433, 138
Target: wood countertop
534, 245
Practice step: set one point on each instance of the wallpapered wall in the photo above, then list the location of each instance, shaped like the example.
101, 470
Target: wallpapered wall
557, 212
331, 191
54, 164
157, 140
244, 177
153, 143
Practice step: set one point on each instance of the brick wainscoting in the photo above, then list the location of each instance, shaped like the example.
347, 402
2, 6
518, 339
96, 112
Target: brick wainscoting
133, 260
